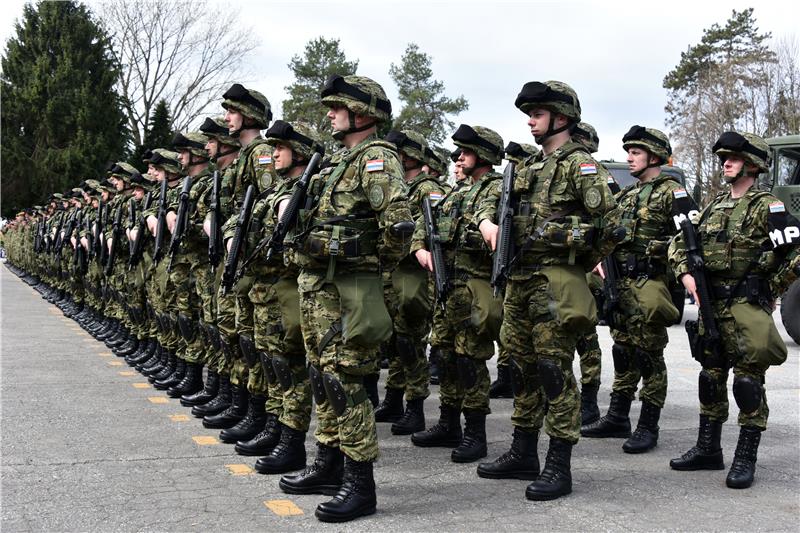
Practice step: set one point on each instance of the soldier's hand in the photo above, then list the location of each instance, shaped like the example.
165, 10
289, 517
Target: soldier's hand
133, 233
489, 231
108, 244
171, 219
228, 245
691, 286
84, 242
599, 270
152, 224
207, 227
424, 259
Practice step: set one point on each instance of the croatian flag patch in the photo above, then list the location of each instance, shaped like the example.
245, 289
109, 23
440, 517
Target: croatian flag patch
679, 193
264, 160
374, 165
588, 168
435, 197
777, 207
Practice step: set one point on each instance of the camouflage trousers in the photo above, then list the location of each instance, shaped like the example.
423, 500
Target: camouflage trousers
277, 331
590, 358
532, 332
465, 331
409, 298
186, 305
205, 310
640, 351
354, 432
226, 322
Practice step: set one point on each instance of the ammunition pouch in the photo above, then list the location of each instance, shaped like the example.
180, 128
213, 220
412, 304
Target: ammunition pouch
346, 239
755, 289
338, 397
187, 328
551, 377
467, 372
282, 372
472, 241
248, 348
317, 385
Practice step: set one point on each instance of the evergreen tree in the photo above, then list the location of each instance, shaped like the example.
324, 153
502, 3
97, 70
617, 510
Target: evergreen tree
157, 135
321, 59
425, 108
61, 118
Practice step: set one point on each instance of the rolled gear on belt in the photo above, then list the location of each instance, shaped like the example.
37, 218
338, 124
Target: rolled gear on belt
467, 372
551, 377
186, 327
317, 385
248, 347
282, 371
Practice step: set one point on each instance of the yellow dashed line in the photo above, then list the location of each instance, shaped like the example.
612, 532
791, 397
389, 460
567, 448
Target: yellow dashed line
205, 440
104, 354
141, 385
179, 418
127, 373
115, 363
158, 399
283, 507
239, 469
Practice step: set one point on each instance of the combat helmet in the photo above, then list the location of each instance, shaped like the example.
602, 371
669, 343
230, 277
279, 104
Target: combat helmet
166, 160
410, 143
585, 134
519, 152
486, 143
251, 104
748, 146
555, 96
361, 96
650, 139
301, 138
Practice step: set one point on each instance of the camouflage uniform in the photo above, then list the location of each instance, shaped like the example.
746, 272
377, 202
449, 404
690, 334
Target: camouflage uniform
750, 253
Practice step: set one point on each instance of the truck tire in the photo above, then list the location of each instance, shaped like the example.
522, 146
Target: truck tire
790, 311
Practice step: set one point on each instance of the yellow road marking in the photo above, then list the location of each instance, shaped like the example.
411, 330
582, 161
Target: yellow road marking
127, 373
158, 399
141, 385
283, 507
104, 354
179, 418
239, 469
205, 440
115, 363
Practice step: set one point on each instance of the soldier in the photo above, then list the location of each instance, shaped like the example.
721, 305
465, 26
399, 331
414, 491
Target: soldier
352, 230
501, 387
560, 196
750, 252
410, 295
650, 211
465, 331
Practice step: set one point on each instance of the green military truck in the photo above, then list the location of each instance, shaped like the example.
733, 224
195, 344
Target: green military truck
783, 180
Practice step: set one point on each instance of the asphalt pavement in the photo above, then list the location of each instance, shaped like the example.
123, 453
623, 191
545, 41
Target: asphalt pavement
89, 445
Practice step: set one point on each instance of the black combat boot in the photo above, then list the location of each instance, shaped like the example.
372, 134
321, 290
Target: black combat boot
446, 433
191, 383
371, 387
251, 425
743, 467
473, 445
520, 462
323, 476
128, 348
413, 420
589, 411
109, 332
355, 498
233, 414
204, 395
156, 363
218, 403
166, 370
288, 456
264, 441
615, 424
174, 378
391, 408
556, 478
707, 453
146, 350
501, 387
646, 435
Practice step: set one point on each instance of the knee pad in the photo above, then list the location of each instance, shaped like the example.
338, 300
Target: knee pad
645, 361
266, 364
337, 395
551, 377
317, 386
214, 337
467, 372
406, 349
707, 388
283, 373
186, 327
520, 383
582, 346
748, 393
248, 347
620, 356
225, 347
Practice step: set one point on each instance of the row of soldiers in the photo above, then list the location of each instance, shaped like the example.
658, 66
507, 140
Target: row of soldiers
288, 274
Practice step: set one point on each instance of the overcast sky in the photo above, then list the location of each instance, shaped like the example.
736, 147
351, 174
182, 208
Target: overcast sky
614, 54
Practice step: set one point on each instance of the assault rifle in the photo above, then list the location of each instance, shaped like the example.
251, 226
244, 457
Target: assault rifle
710, 339
137, 249
131, 220
441, 283
239, 237
70, 225
503, 252
274, 243
181, 221
97, 244
215, 216
611, 294
161, 227
116, 231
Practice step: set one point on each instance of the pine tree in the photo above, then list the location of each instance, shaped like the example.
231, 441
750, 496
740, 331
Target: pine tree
158, 134
425, 108
61, 118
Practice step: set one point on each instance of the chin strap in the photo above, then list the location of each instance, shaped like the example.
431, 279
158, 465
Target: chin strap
551, 130
340, 134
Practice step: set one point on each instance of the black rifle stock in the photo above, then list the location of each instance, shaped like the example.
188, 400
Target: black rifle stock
131, 221
239, 236
137, 249
161, 226
116, 232
441, 283
503, 252
179, 230
215, 238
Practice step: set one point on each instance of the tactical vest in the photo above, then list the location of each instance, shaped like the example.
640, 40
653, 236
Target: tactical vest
642, 229
244, 167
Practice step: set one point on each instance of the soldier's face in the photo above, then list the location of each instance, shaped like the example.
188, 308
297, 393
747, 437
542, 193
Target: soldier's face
467, 158
637, 159
732, 166
539, 121
212, 147
151, 170
138, 193
282, 156
339, 117
159, 174
118, 184
233, 119
183, 157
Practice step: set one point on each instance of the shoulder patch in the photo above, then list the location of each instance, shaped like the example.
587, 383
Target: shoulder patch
374, 165
593, 198
376, 196
587, 169
680, 193
435, 197
777, 207
264, 159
